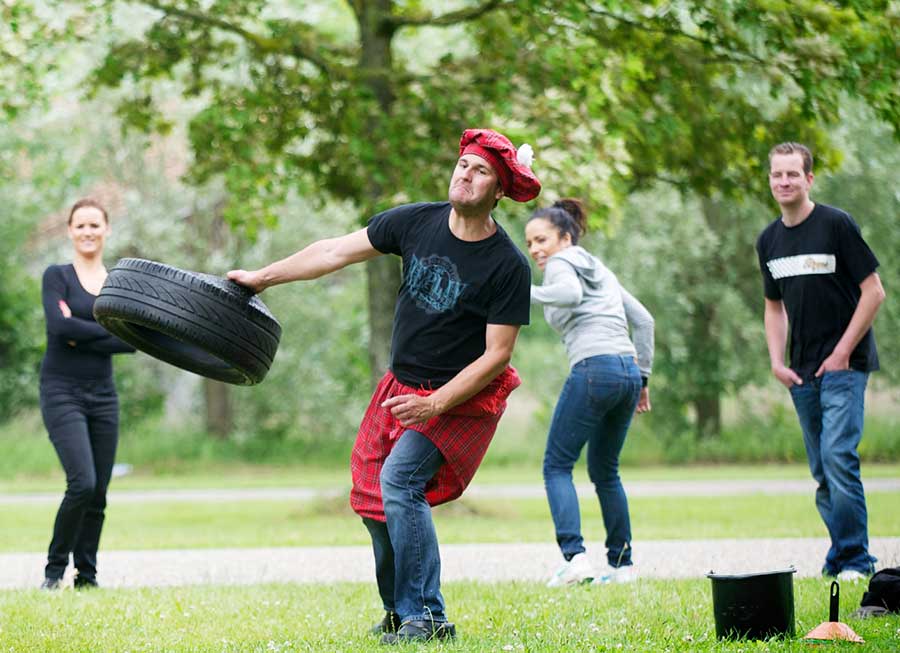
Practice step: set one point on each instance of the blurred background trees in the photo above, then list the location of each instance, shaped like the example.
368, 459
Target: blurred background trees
225, 133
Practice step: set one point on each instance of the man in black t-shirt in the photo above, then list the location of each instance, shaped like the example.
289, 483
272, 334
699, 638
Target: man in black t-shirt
465, 294
820, 282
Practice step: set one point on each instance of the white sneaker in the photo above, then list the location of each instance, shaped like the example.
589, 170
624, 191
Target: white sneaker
851, 576
627, 574
574, 572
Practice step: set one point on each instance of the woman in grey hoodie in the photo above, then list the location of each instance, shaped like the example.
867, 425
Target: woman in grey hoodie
607, 383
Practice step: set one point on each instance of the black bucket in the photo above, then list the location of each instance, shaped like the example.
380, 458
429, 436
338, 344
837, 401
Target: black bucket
754, 606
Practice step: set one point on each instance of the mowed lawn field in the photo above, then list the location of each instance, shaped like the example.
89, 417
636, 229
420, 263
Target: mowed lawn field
327, 519
646, 616
649, 615
323, 522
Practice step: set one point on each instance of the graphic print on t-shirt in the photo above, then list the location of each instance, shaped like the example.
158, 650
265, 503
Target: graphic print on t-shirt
434, 283
796, 266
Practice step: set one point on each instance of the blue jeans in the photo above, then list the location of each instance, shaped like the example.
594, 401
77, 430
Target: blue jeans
407, 560
830, 409
595, 408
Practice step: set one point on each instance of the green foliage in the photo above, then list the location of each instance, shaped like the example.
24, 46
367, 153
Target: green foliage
24, 167
693, 265
614, 95
316, 392
865, 187
27, 450
364, 103
20, 315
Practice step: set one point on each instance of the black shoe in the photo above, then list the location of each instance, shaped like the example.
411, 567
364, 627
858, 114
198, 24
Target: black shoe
84, 582
52, 584
389, 624
421, 631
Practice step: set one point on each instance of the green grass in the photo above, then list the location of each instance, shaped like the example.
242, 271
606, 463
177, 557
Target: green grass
652, 616
324, 522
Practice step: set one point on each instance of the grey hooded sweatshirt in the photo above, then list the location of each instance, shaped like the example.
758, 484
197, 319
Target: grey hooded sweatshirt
585, 304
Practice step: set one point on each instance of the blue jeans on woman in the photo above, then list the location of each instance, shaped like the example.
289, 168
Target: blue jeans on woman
407, 560
830, 409
595, 408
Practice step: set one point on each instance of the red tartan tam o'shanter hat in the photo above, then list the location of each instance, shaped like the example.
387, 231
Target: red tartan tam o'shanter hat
512, 166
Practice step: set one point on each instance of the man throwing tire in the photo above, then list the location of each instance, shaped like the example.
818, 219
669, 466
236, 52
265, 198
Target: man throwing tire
465, 294
819, 279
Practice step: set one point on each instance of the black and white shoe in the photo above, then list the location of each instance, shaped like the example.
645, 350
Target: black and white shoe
420, 631
51, 584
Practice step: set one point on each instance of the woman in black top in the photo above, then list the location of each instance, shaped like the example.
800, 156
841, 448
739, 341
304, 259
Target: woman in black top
78, 396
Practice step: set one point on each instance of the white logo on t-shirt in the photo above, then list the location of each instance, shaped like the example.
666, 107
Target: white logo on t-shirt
803, 264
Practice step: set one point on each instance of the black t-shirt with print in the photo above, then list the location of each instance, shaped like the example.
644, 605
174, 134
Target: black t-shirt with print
815, 268
452, 289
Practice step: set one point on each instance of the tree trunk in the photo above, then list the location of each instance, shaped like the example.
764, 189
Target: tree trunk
707, 387
383, 273
383, 276
219, 413
705, 341
709, 416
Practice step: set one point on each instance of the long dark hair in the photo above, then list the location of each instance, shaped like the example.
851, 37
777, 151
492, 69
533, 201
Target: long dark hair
567, 215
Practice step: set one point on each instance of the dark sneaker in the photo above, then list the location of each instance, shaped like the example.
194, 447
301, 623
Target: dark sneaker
389, 624
84, 582
421, 631
52, 584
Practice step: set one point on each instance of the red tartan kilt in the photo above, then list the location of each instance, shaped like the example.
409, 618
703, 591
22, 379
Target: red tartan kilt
462, 435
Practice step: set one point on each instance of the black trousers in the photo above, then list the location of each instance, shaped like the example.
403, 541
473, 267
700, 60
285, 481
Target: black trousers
82, 418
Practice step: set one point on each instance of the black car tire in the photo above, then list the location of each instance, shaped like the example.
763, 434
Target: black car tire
199, 322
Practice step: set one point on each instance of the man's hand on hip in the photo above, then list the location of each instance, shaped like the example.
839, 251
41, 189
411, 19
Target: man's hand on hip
836, 361
412, 409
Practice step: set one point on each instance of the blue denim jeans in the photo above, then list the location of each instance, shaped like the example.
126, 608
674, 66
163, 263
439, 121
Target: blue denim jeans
595, 408
407, 560
830, 409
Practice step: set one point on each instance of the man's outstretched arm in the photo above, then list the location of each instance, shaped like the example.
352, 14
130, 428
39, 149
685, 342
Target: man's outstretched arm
313, 261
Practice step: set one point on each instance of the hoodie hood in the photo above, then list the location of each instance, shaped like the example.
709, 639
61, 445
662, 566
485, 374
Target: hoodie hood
591, 311
588, 267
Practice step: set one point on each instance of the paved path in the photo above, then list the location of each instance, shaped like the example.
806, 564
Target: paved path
485, 562
707, 488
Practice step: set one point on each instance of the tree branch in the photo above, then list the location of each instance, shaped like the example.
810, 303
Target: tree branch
257, 41
450, 18
730, 55
639, 181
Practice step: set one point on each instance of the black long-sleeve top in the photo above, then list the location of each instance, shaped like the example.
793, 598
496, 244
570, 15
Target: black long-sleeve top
77, 347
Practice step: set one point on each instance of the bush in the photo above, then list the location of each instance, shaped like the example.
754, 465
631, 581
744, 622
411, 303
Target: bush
21, 324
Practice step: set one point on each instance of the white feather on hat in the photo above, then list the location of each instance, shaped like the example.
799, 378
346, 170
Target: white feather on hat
525, 155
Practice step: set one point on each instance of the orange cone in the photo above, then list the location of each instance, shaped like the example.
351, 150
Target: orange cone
831, 630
